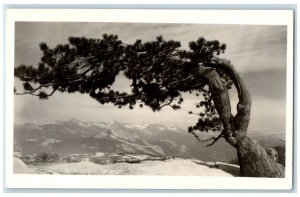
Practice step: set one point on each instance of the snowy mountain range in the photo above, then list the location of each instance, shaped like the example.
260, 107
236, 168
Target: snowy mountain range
75, 136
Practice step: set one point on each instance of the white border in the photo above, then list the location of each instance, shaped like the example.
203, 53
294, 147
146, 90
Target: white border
262, 17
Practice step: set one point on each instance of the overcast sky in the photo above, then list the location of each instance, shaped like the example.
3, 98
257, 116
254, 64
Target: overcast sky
258, 53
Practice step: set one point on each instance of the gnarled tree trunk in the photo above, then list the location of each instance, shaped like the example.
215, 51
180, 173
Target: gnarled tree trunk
254, 160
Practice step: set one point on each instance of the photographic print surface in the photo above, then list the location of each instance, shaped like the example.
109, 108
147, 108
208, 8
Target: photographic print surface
151, 99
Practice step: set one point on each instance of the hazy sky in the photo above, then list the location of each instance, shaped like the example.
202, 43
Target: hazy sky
258, 53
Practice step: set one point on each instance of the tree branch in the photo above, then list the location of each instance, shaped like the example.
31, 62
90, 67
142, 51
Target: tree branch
168, 103
179, 82
242, 118
215, 139
33, 92
29, 92
220, 96
53, 91
24, 93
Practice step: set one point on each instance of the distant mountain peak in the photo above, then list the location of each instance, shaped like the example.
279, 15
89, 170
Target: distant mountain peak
75, 136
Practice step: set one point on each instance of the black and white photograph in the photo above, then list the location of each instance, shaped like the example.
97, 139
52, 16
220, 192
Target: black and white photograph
160, 99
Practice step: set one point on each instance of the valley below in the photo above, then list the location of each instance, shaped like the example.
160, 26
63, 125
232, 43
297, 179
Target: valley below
90, 148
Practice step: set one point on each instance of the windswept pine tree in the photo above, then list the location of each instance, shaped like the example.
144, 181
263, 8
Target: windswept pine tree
160, 72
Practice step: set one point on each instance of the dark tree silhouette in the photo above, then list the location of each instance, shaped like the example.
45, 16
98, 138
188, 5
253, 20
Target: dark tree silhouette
159, 71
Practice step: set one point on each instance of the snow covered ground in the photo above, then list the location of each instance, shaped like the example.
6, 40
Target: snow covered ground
21, 168
169, 167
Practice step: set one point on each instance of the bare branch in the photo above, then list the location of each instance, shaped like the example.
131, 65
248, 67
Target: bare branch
215, 139
54, 90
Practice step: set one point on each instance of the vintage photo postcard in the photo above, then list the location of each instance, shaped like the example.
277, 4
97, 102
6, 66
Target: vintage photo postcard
149, 99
